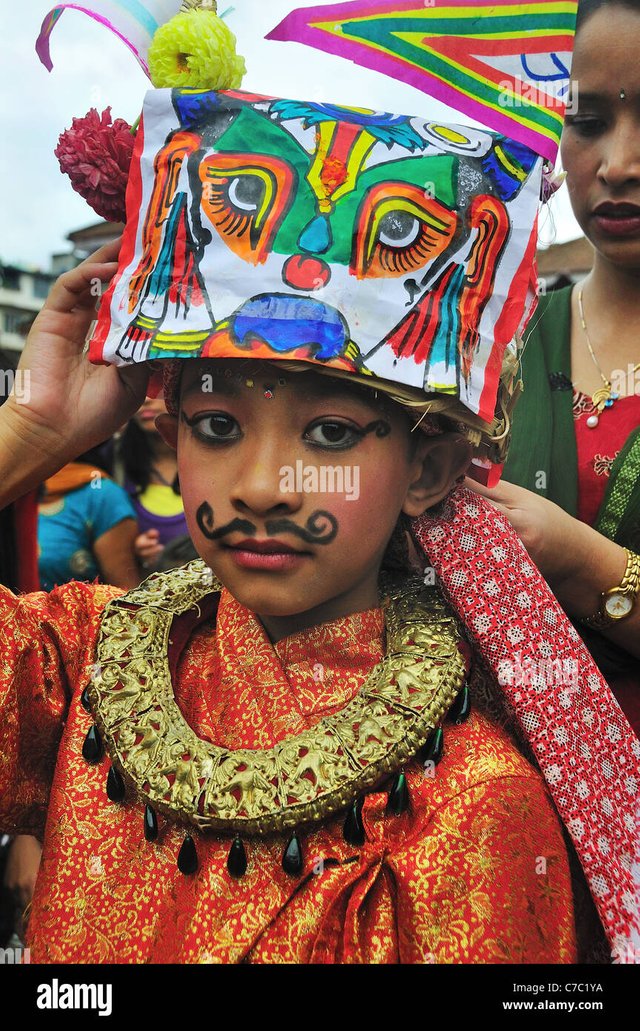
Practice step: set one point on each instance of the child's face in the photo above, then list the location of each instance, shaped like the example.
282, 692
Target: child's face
292, 485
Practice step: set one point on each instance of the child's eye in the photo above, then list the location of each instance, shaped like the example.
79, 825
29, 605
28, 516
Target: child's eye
332, 434
216, 427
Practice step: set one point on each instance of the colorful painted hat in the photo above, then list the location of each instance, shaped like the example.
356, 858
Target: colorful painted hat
380, 245
371, 243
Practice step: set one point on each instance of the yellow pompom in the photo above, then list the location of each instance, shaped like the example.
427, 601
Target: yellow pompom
195, 49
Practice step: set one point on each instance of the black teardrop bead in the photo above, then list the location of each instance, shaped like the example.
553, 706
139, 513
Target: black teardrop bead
461, 708
187, 857
433, 750
150, 824
84, 700
92, 747
399, 795
237, 861
115, 786
353, 830
292, 858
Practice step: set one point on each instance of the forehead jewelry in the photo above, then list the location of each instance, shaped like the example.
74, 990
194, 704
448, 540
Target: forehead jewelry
269, 388
623, 95
605, 396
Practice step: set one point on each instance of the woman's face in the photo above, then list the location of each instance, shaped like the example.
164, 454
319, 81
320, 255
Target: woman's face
601, 139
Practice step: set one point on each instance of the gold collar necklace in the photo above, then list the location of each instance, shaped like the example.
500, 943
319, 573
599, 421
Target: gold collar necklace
299, 781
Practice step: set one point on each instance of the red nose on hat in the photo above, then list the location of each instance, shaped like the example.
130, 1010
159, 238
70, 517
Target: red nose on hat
306, 273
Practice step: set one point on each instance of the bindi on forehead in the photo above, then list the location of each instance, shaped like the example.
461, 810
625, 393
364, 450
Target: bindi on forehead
230, 382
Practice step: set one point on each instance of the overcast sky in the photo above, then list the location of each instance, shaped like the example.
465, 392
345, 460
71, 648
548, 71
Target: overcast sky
92, 68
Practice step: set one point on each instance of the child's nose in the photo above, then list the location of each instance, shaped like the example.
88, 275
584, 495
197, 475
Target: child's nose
266, 485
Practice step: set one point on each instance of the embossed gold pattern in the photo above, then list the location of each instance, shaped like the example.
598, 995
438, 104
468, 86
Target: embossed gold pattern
303, 778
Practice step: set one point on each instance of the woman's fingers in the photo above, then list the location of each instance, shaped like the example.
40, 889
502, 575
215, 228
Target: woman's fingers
135, 378
75, 286
81, 286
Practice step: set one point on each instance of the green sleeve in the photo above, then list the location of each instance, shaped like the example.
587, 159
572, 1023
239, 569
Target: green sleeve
542, 454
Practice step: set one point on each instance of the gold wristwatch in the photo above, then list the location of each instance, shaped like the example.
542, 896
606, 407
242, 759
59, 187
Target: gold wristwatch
619, 602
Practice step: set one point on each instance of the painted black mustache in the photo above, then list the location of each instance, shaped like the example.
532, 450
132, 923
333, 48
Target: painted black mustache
321, 526
204, 519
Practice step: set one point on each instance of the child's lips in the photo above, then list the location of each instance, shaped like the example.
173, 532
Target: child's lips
270, 554
264, 547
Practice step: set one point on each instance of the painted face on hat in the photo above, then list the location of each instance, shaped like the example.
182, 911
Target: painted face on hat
371, 243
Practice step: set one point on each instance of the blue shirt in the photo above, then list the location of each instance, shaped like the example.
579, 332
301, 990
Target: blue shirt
67, 533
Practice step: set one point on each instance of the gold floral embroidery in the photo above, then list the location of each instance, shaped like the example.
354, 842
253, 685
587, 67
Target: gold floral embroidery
602, 464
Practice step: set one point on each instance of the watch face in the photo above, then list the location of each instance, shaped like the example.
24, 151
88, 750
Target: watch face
618, 605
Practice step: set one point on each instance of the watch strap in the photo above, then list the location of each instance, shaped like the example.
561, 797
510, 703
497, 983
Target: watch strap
629, 586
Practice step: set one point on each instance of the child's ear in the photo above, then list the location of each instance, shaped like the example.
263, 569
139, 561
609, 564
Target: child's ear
439, 462
167, 427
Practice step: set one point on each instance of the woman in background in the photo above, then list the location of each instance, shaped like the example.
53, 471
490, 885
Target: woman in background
86, 527
576, 432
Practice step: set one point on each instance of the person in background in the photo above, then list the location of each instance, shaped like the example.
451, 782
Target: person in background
18, 522
19, 856
177, 552
149, 473
576, 430
86, 527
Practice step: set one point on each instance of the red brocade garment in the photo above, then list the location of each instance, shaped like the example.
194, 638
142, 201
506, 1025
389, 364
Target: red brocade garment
475, 871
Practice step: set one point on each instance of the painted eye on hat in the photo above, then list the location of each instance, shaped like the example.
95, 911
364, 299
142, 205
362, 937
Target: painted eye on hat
246, 192
398, 229
245, 199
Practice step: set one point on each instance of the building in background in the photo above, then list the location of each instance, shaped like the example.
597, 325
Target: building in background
85, 241
23, 290
564, 263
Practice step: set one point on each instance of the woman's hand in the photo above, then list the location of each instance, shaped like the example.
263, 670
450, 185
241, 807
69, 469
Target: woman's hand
544, 528
66, 405
579, 563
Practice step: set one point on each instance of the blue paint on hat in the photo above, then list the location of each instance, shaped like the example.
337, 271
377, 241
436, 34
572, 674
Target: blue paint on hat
285, 322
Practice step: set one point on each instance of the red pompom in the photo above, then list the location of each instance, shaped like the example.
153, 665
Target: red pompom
96, 154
